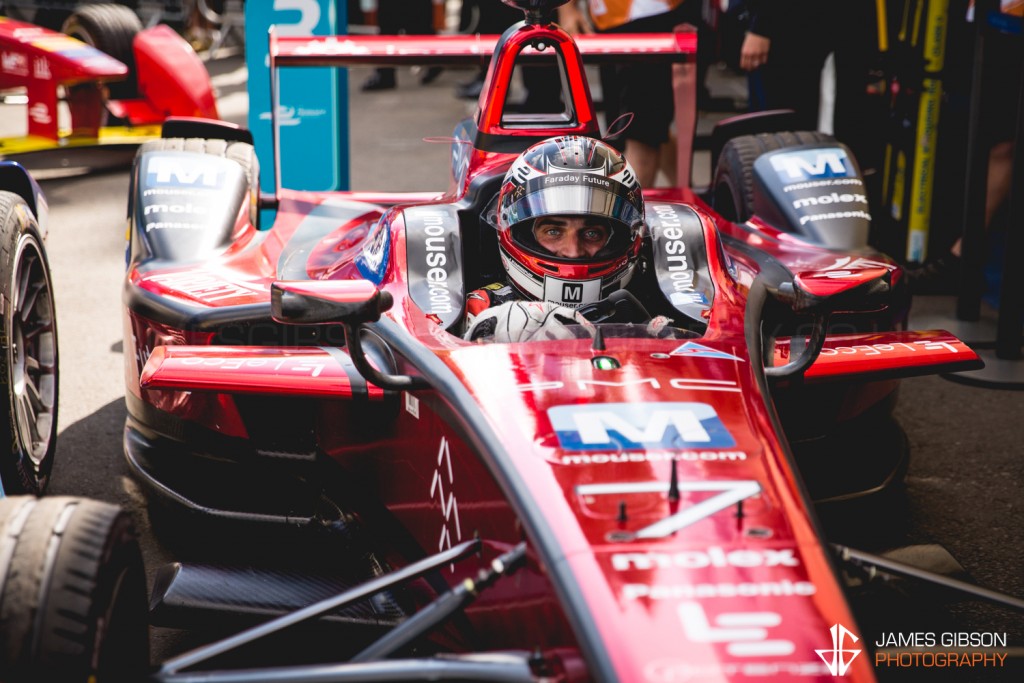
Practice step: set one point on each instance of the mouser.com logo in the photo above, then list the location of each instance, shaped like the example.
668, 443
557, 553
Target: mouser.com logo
638, 426
839, 658
812, 164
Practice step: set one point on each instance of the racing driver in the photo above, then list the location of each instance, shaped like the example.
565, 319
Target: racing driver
570, 221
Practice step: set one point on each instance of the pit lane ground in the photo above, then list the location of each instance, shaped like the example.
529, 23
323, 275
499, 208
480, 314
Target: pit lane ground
965, 488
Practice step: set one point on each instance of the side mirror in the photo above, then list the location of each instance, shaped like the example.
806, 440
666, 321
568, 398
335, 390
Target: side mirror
817, 293
825, 291
310, 302
349, 303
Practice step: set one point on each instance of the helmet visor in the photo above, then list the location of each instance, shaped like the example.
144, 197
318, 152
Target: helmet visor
564, 194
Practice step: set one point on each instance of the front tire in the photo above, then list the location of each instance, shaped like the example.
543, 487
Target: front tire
733, 187
72, 592
29, 352
109, 28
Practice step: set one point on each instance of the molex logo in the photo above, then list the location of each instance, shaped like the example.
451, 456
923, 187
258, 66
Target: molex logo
839, 658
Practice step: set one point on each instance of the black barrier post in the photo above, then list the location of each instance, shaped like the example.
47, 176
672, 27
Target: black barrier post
1011, 291
972, 242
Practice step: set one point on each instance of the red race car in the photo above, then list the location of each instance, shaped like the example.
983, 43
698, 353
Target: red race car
605, 482
105, 81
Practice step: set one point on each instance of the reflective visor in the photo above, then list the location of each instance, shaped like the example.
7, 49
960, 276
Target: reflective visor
564, 194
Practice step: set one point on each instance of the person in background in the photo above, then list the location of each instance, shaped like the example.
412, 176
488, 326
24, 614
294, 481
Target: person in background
786, 45
643, 90
412, 17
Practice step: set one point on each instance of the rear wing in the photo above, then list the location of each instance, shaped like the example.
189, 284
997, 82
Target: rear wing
679, 48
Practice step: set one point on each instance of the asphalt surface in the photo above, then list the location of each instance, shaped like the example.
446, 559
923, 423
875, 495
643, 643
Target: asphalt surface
963, 491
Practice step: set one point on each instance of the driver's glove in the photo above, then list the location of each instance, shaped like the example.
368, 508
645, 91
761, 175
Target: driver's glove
521, 321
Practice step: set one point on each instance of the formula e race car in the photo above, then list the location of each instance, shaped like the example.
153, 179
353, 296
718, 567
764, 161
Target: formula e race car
633, 500
104, 81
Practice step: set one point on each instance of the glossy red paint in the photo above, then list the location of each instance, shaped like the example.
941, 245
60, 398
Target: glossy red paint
172, 78
464, 50
283, 371
894, 354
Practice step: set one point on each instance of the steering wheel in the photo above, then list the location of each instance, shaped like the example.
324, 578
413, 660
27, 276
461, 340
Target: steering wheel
618, 307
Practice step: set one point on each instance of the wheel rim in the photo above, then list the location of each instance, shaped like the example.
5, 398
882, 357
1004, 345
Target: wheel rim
32, 353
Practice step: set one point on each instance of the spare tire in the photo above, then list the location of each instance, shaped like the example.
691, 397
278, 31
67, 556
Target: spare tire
732, 194
72, 592
110, 28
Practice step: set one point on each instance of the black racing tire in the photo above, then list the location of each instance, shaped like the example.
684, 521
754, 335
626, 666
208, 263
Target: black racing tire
732, 194
73, 601
242, 153
28, 352
109, 28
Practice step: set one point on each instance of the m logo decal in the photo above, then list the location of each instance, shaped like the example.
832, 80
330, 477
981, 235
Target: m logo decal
572, 292
638, 426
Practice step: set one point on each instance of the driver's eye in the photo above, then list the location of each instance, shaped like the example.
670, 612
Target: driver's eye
593, 235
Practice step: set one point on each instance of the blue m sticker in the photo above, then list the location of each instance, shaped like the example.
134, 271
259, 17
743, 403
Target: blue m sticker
638, 426
812, 164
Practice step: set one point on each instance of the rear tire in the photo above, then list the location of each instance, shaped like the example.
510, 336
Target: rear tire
109, 28
28, 357
72, 592
733, 187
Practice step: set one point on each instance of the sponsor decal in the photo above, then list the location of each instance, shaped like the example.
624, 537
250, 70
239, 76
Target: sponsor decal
879, 349
653, 456
188, 208
304, 366
638, 426
694, 349
712, 557
372, 260
40, 113
444, 477
412, 405
678, 671
41, 69
700, 591
840, 657
832, 182
206, 288
184, 170
834, 215
827, 199
957, 656
571, 293
812, 164
434, 253
680, 261
14, 63
744, 634
588, 385
575, 179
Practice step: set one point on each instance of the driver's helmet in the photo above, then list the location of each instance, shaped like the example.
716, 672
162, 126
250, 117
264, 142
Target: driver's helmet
583, 183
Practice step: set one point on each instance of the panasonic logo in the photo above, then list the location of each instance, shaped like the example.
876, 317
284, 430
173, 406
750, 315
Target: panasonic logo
696, 591
699, 559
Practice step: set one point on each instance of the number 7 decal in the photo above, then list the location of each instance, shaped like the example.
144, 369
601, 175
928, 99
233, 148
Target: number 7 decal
728, 494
